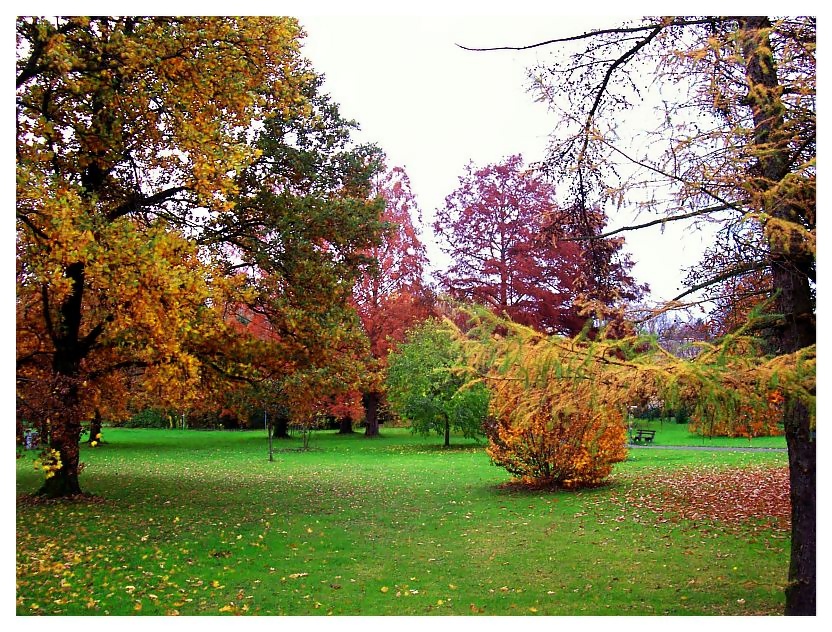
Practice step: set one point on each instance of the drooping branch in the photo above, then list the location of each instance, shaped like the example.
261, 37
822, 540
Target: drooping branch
662, 220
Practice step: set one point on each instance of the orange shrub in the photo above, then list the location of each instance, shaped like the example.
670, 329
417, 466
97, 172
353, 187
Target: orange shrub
557, 448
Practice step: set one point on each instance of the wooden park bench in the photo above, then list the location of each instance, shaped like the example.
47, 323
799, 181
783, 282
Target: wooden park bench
642, 436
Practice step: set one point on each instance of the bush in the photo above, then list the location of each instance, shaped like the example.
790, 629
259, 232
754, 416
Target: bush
557, 448
148, 418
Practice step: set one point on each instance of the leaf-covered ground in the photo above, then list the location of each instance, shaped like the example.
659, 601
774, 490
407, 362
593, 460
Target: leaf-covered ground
732, 497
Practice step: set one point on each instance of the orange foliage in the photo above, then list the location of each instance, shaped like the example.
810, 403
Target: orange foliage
763, 420
557, 448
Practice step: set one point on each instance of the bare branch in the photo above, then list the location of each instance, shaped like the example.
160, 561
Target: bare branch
591, 34
662, 220
135, 204
748, 267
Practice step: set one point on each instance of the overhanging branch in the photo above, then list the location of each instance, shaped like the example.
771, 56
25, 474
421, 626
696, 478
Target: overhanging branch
662, 220
748, 267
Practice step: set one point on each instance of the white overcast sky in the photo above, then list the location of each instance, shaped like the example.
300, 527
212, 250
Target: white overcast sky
433, 107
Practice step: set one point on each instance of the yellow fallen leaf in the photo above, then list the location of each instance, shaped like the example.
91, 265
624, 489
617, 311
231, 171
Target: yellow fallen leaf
226, 609
296, 575
384, 589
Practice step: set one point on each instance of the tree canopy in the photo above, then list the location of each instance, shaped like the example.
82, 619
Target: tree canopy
509, 248
142, 197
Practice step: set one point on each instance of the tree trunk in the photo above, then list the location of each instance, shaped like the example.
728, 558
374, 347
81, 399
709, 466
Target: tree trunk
801, 590
370, 401
281, 426
65, 426
95, 427
447, 432
345, 425
64, 438
791, 265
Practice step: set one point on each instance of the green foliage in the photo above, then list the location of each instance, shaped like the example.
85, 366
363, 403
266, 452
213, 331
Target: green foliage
148, 418
428, 386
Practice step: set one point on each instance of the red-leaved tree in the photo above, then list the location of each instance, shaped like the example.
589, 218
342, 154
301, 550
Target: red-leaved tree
511, 249
392, 297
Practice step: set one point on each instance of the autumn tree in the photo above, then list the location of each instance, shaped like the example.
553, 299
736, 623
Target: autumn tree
391, 297
735, 125
427, 384
505, 235
125, 127
305, 221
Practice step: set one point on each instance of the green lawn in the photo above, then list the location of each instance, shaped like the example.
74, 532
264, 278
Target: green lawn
668, 432
198, 522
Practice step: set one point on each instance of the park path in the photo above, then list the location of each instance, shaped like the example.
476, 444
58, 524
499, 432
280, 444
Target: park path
705, 447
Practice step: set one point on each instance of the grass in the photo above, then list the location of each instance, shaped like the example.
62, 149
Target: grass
201, 523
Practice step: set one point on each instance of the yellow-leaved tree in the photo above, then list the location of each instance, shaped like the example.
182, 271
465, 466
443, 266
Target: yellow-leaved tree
129, 132
559, 405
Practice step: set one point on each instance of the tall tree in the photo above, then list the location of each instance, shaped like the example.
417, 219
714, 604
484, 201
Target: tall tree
304, 216
126, 126
305, 222
735, 101
506, 238
391, 297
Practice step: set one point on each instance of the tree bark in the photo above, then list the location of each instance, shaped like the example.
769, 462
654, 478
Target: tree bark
370, 401
95, 427
791, 264
281, 426
64, 438
65, 426
345, 425
447, 432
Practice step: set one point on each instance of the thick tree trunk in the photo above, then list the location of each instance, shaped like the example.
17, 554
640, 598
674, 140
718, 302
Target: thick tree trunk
65, 422
345, 425
370, 401
281, 426
64, 438
95, 427
791, 264
801, 590
447, 433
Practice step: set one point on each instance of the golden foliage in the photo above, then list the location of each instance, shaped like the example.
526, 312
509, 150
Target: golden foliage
559, 404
